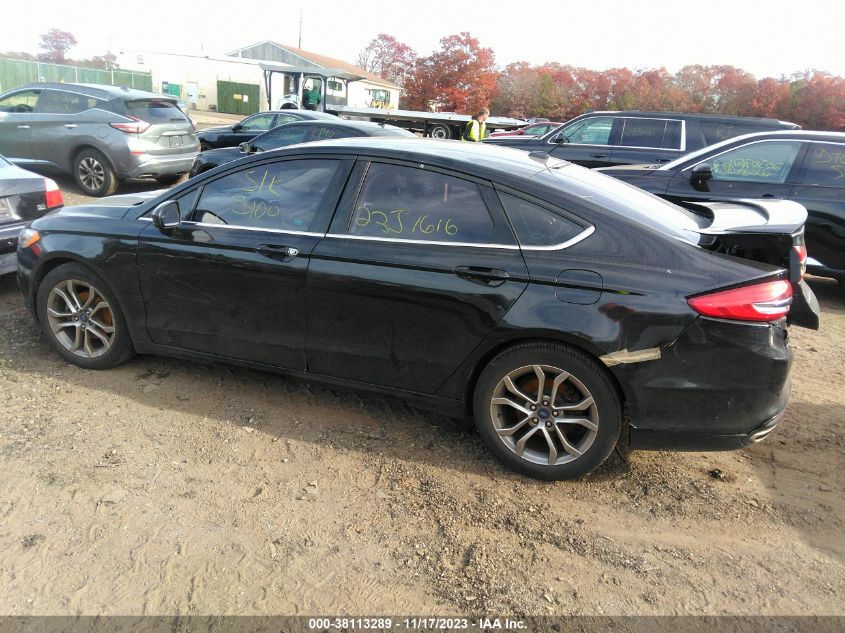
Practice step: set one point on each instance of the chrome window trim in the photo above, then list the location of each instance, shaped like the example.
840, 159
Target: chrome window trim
240, 227
510, 247
736, 147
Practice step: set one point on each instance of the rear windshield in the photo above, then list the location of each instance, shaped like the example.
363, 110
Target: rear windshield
626, 200
155, 111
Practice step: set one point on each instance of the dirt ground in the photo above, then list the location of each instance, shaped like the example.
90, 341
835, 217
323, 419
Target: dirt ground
171, 487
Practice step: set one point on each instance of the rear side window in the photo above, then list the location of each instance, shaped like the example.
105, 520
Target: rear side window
60, 102
410, 203
715, 131
535, 225
279, 196
824, 165
768, 162
657, 133
155, 111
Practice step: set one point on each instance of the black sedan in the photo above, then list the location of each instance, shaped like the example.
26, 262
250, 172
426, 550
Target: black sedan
24, 196
290, 134
806, 167
539, 297
253, 125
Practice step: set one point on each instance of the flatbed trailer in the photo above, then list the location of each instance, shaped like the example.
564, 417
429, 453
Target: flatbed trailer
442, 125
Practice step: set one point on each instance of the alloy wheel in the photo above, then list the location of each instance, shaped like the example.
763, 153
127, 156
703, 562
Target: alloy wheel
544, 415
80, 318
91, 173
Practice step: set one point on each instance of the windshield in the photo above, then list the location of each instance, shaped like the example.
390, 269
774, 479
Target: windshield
624, 199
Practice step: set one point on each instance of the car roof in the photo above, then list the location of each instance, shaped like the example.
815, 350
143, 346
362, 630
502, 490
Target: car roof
693, 115
363, 126
484, 160
98, 90
308, 114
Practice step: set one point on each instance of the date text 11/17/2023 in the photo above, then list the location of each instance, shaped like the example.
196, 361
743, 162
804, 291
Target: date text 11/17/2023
416, 624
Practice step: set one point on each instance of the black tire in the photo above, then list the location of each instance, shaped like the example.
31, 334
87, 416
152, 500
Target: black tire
94, 174
440, 131
591, 383
120, 348
169, 181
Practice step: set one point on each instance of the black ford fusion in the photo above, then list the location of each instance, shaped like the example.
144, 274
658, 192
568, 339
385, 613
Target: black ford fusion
805, 167
541, 298
292, 134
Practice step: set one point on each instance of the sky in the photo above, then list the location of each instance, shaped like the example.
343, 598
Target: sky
766, 39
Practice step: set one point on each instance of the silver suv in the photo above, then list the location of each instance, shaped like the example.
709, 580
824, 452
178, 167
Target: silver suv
100, 134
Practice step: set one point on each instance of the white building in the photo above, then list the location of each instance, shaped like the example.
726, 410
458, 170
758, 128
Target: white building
361, 93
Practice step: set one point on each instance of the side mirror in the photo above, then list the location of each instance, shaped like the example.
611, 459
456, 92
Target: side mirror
166, 215
237, 127
558, 138
245, 147
699, 176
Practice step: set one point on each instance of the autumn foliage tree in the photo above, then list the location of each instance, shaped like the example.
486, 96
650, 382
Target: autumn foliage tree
56, 43
388, 58
460, 76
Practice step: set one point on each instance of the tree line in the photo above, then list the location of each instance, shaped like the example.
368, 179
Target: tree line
462, 76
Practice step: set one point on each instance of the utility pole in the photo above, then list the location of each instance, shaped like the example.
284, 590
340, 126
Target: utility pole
300, 29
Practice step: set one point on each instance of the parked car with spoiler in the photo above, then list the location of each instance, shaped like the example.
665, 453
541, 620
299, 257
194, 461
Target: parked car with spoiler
541, 298
24, 196
801, 166
248, 128
603, 139
99, 134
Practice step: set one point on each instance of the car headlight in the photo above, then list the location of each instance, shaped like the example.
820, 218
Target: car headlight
28, 237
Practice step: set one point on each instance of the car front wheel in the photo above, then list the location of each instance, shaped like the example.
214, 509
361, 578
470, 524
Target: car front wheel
547, 410
81, 318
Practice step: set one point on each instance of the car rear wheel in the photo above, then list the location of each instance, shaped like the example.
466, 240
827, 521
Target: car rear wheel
81, 318
547, 410
94, 174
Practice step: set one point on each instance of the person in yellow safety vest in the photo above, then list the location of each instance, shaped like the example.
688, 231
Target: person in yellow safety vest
476, 128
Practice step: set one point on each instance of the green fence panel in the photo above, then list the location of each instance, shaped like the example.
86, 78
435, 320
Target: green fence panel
238, 98
15, 72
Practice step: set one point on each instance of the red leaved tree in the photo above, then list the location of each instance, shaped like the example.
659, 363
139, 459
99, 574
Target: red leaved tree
56, 43
461, 77
388, 58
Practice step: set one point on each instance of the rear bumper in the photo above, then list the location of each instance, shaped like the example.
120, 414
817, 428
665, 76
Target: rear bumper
645, 439
150, 166
713, 386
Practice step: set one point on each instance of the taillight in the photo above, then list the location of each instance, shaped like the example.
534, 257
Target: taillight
767, 301
801, 252
135, 126
54, 196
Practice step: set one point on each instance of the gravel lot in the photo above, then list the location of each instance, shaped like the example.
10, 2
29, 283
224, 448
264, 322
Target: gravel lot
171, 487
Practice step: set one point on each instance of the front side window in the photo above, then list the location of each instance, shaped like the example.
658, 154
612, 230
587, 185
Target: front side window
281, 136
825, 165
22, 102
325, 132
656, 133
593, 131
256, 123
60, 102
278, 196
535, 225
410, 203
768, 162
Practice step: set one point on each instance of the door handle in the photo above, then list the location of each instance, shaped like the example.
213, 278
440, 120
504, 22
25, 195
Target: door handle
662, 160
70, 126
768, 195
599, 155
23, 127
277, 251
487, 276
